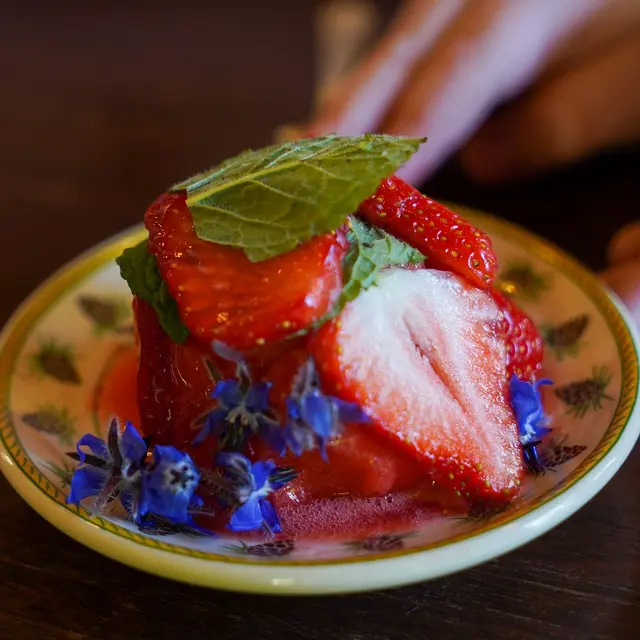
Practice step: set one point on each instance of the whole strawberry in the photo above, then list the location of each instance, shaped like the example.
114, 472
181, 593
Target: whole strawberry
449, 242
524, 346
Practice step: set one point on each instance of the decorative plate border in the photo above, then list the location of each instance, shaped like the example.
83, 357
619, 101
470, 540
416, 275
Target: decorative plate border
17, 329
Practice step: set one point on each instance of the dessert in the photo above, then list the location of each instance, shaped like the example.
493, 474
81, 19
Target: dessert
319, 346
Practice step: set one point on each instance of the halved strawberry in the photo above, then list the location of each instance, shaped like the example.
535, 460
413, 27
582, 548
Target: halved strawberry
224, 296
360, 462
524, 346
449, 242
421, 355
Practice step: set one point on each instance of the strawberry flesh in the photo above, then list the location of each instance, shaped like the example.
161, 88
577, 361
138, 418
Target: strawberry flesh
421, 354
224, 296
449, 242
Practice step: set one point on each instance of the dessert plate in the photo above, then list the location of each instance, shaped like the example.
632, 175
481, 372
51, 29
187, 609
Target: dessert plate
71, 347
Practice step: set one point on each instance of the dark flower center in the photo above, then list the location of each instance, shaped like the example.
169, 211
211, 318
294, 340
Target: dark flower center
182, 478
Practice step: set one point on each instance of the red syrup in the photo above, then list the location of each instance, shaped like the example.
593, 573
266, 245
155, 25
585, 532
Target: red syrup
365, 488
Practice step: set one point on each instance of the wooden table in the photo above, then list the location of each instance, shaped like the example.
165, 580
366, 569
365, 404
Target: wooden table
100, 109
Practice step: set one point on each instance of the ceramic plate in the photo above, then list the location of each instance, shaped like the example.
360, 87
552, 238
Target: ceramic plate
71, 343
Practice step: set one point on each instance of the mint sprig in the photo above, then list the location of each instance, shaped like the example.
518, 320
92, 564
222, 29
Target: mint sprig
139, 268
268, 201
371, 250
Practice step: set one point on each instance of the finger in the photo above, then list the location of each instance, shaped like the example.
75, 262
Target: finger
625, 245
625, 281
358, 103
592, 107
490, 53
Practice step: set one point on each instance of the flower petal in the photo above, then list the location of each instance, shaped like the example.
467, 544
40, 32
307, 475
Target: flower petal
226, 352
212, 424
350, 411
270, 516
132, 447
86, 481
168, 488
299, 437
247, 517
228, 393
293, 408
261, 472
527, 406
317, 412
257, 398
196, 502
97, 446
237, 469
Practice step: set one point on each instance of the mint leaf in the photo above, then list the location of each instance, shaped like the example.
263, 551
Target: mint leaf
371, 250
139, 268
269, 200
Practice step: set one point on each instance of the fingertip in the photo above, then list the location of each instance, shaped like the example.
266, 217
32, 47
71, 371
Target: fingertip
624, 279
625, 245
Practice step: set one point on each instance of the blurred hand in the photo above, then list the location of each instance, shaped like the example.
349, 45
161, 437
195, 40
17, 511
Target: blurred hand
443, 67
624, 273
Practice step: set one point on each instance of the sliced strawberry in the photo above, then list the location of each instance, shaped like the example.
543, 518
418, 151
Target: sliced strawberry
224, 296
360, 462
523, 342
421, 355
449, 242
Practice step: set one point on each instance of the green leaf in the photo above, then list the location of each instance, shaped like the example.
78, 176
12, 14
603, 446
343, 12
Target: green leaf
371, 250
269, 200
139, 268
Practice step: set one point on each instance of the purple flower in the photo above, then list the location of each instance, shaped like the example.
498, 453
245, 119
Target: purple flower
110, 468
242, 411
168, 487
531, 418
251, 484
314, 418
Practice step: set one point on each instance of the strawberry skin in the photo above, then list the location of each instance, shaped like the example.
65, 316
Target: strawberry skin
224, 296
173, 383
524, 346
449, 242
421, 355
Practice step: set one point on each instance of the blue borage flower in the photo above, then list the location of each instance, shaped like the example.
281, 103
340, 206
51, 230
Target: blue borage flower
158, 496
111, 468
531, 418
242, 411
313, 418
168, 489
249, 485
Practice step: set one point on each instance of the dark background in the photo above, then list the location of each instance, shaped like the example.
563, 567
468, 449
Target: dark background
102, 105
